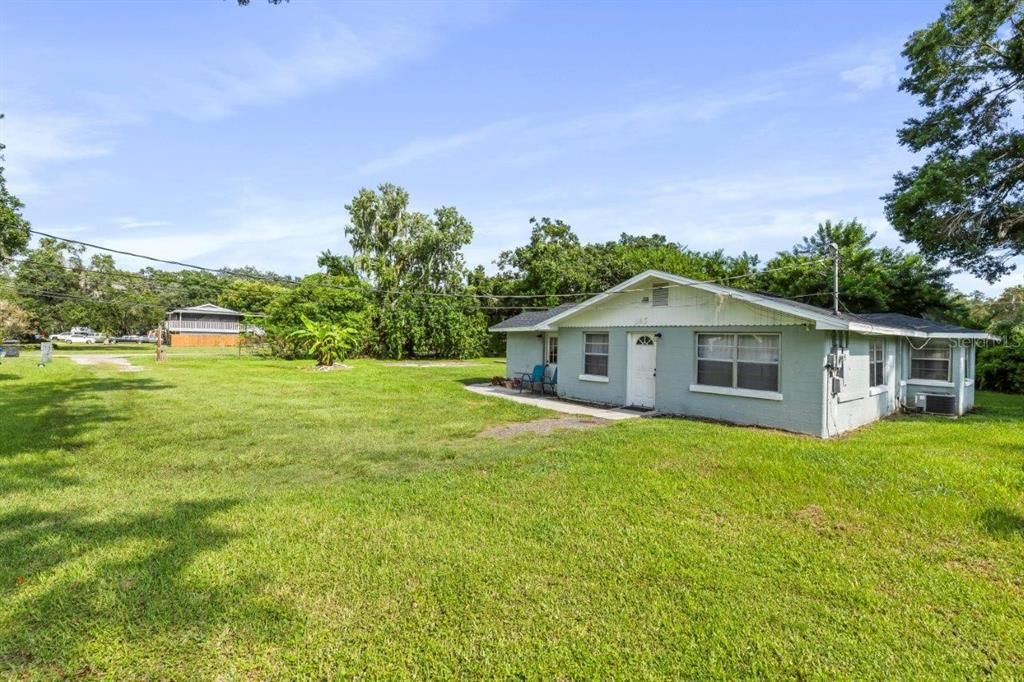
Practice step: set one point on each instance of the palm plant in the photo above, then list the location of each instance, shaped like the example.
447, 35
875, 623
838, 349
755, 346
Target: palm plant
328, 342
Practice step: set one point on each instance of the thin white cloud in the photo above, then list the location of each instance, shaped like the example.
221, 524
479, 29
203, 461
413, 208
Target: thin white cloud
272, 233
34, 141
249, 75
130, 223
433, 146
212, 81
526, 144
36, 138
879, 71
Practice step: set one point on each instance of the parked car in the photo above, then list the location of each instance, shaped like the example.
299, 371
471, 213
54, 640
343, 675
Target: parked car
79, 338
133, 338
78, 332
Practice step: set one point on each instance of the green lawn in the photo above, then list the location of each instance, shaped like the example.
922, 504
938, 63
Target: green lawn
243, 518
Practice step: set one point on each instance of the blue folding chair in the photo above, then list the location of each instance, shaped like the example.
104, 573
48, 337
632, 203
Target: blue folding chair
552, 382
534, 378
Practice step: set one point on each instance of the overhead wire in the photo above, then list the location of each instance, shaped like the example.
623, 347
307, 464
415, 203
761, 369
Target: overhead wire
443, 294
42, 293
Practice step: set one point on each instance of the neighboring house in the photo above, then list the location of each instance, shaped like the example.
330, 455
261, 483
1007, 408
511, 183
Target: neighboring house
206, 325
681, 346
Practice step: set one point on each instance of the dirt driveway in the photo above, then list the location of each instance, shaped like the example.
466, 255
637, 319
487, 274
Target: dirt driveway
118, 362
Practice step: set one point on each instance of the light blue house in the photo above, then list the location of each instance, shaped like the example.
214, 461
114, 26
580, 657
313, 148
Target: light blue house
680, 346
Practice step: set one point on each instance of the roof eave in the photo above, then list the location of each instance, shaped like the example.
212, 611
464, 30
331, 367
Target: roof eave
882, 330
536, 328
980, 336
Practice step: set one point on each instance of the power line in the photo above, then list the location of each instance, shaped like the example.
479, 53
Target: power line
227, 271
43, 293
184, 288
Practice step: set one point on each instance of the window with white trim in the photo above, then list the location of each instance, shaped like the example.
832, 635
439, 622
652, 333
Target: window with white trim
877, 363
931, 363
968, 362
595, 354
552, 350
749, 361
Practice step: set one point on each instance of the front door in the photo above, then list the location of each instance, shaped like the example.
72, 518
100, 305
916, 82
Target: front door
641, 380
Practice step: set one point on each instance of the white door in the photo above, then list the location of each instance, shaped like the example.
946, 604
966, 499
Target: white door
642, 370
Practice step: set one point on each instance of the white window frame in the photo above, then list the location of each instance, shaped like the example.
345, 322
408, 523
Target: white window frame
552, 344
607, 355
735, 389
948, 360
876, 345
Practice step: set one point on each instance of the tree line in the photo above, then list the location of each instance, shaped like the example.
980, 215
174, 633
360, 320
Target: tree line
406, 290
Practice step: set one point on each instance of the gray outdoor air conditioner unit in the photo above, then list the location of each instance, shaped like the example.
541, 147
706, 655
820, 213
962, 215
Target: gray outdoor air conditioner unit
934, 403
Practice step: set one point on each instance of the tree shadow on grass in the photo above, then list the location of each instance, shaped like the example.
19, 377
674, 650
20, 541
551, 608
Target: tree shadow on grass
473, 381
1002, 523
41, 423
68, 579
71, 577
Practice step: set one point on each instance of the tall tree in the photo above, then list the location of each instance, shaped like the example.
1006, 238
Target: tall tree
871, 279
14, 321
49, 285
553, 262
414, 264
249, 295
13, 226
966, 201
614, 262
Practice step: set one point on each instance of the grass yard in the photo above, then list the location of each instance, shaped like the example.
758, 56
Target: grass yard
242, 518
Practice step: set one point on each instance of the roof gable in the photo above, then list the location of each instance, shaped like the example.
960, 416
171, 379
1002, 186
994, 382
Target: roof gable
823, 319
783, 311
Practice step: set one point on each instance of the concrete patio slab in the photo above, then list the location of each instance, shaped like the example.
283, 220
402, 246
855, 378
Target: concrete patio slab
554, 404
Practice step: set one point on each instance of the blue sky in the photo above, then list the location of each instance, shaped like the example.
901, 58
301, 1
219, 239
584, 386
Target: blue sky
225, 135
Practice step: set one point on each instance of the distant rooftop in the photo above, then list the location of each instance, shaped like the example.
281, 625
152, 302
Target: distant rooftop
207, 309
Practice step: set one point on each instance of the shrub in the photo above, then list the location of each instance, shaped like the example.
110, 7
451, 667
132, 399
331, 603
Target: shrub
329, 343
1001, 368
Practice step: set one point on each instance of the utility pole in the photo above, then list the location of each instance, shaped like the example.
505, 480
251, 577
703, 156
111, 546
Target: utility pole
160, 343
835, 277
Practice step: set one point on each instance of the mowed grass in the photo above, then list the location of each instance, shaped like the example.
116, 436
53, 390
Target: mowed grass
243, 518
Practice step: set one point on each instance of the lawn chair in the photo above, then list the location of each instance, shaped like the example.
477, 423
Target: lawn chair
534, 378
552, 382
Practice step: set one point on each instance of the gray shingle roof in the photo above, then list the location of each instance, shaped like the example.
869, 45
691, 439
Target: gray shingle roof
919, 324
531, 317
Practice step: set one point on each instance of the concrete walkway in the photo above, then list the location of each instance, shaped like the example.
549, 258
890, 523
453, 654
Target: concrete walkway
551, 403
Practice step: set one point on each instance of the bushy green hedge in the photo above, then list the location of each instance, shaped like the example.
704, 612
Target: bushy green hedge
1001, 368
